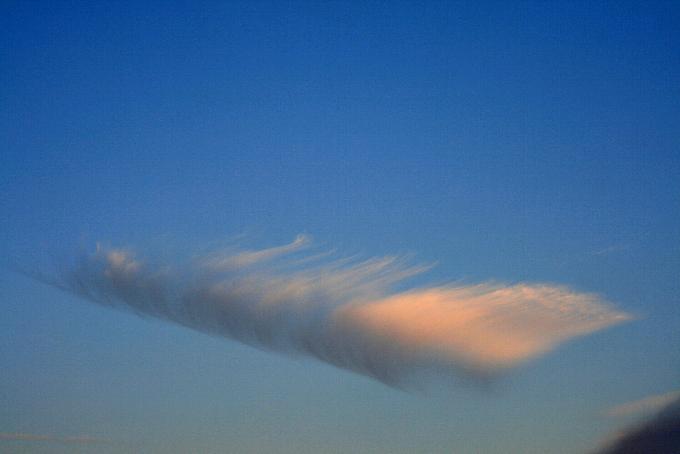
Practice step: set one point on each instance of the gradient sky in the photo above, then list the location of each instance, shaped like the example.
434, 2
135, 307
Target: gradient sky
504, 142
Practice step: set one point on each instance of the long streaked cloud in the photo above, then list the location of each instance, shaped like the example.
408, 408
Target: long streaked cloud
77, 440
344, 312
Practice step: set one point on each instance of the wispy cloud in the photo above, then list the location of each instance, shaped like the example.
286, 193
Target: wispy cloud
79, 440
646, 405
611, 249
345, 312
247, 258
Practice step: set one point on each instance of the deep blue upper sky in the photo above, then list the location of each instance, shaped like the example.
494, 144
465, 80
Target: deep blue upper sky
511, 141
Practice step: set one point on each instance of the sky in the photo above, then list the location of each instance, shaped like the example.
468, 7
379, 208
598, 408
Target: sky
306, 227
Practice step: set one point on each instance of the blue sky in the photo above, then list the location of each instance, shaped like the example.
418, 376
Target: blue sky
510, 143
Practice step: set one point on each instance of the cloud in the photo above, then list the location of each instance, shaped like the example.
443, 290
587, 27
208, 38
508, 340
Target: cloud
485, 326
611, 249
6, 436
247, 258
660, 435
649, 404
344, 312
80, 440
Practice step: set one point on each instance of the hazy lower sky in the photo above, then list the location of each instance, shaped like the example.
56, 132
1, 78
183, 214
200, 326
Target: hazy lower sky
372, 227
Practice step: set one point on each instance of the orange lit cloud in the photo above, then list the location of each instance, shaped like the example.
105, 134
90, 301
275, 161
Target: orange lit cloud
484, 326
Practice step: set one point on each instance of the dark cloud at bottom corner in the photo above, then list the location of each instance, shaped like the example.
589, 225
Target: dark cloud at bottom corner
659, 435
